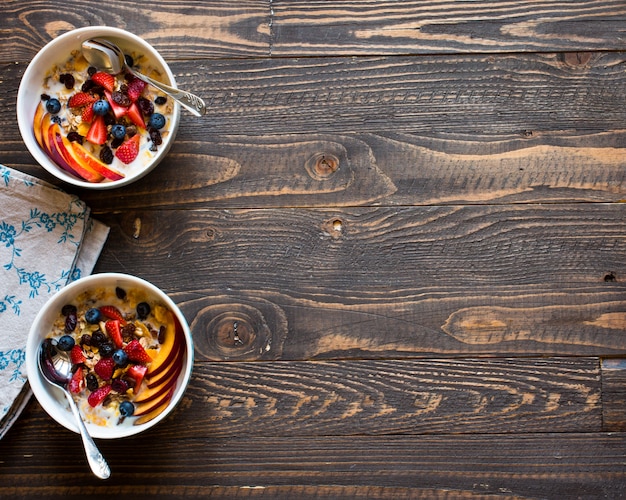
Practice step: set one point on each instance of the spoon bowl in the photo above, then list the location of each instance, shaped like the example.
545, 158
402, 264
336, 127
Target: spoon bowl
106, 56
56, 367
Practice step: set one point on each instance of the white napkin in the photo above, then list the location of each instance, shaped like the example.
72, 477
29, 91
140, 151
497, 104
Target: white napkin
47, 239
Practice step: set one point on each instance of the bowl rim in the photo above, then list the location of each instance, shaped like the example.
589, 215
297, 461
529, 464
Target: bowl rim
49, 396
77, 35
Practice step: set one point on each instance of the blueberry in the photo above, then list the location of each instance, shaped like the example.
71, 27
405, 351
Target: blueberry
143, 309
157, 120
127, 408
53, 106
65, 343
101, 107
93, 315
118, 131
120, 358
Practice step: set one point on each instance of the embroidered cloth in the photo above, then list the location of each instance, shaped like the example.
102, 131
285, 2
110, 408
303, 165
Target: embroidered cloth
47, 239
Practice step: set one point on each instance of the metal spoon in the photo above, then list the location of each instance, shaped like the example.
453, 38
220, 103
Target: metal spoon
108, 57
56, 367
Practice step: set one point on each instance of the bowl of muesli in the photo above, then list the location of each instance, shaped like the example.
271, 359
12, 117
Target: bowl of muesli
131, 352
90, 128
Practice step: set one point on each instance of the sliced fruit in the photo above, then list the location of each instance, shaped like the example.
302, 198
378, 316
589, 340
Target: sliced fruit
118, 111
173, 337
104, 368
77, 382
135, 89
135, 116
87, 114
39, 113
105, 80
91, 162
112, 312
136, 353
137, 373
81, 168
80, 99
175, 366
129, 150
150, 393
77, 356
113, 330
153, 408
97, 396
98, 131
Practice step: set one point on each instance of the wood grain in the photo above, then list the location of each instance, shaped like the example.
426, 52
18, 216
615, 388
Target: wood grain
614, 394
390, 281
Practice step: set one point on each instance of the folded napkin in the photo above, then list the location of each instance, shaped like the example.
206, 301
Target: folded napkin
47, 239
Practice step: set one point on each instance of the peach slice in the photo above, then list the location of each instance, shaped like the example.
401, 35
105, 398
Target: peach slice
169, 348
39, 114
149, 412
150, 393
64, 146
87, 159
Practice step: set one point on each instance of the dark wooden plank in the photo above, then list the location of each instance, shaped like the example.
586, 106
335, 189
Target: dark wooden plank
512, 279
614, 392
548, 466
368, 27
207, 29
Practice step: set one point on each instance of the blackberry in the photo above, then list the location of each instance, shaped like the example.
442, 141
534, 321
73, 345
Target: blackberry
106, 155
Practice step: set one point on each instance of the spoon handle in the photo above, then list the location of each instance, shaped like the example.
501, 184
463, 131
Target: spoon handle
189, 101
95, 459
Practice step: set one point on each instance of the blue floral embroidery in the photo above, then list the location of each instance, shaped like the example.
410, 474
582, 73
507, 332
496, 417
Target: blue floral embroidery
14, 357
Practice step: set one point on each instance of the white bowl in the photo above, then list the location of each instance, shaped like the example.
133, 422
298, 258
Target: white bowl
58, 51
52, 398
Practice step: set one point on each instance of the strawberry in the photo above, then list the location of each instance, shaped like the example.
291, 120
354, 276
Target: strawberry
129, 150
115, 333
98, 131
77, 382
135, 116
81, 99
137, 373
104, 80
136, 353
104, 368
77, 356
135, 89
112, 312
87, 114
97, 396
118, 110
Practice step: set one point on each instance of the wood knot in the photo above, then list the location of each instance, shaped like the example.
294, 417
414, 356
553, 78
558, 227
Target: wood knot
576, 59
322, 166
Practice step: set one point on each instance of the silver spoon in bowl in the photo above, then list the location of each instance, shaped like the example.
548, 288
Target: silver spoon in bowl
56, 367
105, 55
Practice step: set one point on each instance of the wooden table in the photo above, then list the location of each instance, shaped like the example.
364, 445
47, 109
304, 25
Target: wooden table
413, 212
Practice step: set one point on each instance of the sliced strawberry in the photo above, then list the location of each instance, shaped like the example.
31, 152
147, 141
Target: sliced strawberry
81, 99
118, 110
104, 80
135, 89
104, 368
98, 131
137, 373
134, 114
112, 312
136, 353
97, 396
77, 356
77, 382
115, 333
87, 114
129, 150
